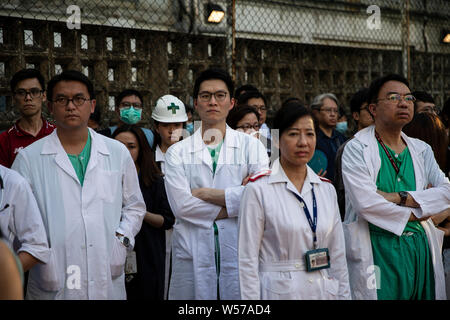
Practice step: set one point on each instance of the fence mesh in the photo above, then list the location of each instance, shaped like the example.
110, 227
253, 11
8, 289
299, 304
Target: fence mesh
285, 48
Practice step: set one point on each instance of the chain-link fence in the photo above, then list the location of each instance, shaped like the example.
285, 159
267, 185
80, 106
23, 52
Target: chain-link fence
283, 47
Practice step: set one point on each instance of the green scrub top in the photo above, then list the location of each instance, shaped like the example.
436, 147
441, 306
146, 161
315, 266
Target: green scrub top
214, 152
405, 264
80, 162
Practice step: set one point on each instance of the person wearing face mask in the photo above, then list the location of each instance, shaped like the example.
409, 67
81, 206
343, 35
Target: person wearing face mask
129, 111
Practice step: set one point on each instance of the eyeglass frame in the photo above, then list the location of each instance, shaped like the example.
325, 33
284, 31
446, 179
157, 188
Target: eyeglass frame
329, 110
28, 92
135, 105
402, 96
252, 127
212, 94
72, 99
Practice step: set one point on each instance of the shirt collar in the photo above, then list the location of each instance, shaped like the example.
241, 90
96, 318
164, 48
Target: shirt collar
159, 155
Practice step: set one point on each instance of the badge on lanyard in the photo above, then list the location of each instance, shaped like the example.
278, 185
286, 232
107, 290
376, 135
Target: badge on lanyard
319, 258
130, 263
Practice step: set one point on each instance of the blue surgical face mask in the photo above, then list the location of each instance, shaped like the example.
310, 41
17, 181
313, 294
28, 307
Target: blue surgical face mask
342, 127
130, 115
190, 127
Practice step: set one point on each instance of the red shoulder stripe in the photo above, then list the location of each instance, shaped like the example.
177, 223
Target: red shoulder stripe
325, 179
259, 174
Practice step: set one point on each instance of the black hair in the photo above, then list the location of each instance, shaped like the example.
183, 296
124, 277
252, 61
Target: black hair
129, 92
26, 74
237, 113
70, 75
214, 74
244, 88
148, 169
358, 99
289, 114
243, 98
445, 113
423, 96
375, 86
189, 108
291, 100
96, 115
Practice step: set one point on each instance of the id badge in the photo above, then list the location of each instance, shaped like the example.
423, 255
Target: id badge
317, 259
130, 263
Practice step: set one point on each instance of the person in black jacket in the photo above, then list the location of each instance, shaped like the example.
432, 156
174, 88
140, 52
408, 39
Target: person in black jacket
150, 242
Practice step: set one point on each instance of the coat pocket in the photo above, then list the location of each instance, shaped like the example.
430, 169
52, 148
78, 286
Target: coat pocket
47, 274
276, 285
331, 286
118, 257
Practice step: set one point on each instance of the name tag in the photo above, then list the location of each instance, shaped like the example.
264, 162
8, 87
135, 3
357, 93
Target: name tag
130, 263
317, 259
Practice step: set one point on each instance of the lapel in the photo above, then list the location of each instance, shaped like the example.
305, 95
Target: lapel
54, 146
414, 150
97, 147
198, 150
228, 153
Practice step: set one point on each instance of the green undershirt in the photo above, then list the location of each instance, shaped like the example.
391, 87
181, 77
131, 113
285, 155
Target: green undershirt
406, 269
80, 162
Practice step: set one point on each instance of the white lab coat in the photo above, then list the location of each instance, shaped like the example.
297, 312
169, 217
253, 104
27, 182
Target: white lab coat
360, 166
189, 166
274, 235
20, 219
86, 258
161, 158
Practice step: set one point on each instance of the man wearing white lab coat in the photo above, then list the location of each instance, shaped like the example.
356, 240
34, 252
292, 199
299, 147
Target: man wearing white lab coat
20, 219
391, 106
204, 191
87, 190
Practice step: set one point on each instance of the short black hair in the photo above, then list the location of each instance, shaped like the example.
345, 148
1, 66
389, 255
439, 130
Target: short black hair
358, 99
237, 113
291, 100
244, 88
243, 98
375, 86
290, 113
423, 96
214, 74
127, 93
96, 115
70, 75
26, 74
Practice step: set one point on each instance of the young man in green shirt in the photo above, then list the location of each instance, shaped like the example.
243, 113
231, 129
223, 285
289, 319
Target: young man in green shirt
393, 248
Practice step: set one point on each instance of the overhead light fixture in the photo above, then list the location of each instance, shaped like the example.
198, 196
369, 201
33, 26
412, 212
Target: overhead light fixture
446, 36
214, 13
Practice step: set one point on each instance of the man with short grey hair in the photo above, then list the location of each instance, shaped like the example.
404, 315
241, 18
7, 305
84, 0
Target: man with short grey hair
325, 110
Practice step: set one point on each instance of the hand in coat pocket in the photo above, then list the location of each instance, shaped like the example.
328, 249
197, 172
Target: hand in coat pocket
118, 257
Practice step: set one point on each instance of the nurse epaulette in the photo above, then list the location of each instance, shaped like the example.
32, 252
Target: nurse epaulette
325, 179
260, 174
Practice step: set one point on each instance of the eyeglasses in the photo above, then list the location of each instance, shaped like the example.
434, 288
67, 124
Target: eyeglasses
246, 127
33, 92
77, 101
218, 95
396, 97
330, 110
128, 105
260, 108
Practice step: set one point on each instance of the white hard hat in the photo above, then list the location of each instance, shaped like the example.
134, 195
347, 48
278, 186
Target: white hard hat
169, 109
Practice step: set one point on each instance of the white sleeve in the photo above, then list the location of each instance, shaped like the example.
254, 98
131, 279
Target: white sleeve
250, 233
361, 191
257, 161
26, 221
437, 198
336, 245
183, 204
133, 205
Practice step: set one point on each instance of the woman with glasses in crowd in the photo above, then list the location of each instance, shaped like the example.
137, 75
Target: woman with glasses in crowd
291, 242
245, 119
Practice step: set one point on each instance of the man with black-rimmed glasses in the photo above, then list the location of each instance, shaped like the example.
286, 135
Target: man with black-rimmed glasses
28, 92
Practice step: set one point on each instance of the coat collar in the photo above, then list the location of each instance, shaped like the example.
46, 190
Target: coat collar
197, 144
367, 137
278, 176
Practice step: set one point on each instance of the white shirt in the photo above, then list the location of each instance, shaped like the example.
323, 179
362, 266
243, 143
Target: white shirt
20, 219
360, 166
86, 258
274, 235
160, 157
189, 166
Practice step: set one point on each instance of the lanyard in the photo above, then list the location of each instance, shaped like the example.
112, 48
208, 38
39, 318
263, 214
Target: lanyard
312, 222
397, 170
